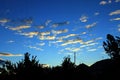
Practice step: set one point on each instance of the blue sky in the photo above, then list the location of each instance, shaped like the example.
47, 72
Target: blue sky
53, 29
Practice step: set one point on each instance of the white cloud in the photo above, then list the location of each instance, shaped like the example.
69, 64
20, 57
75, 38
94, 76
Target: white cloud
89, 41
18, 28
67, 36
115, 12
56, 41
44, 33
61, 51
47, 22
55, 32
10, 41
84, 32
9, 54
47, 37
72, 42
100, 47
92, 44
34, 47
83, 18
84, 44
29, 34
109, 1
40, 26
41, 44
96, 13
92, 49
60, 24
50, 37
99, 38
91, 25
4, 20
73, 49
103, 2
115, 19
92, 40
87, 45
59, 40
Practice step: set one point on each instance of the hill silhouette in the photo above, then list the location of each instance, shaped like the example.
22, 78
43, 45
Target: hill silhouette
106, 69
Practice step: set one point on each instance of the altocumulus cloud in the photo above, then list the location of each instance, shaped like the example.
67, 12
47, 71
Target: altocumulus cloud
91, 25
19, 28
92, 49
114, 12
83, 18
10, 41
34, 47
29, 34
9, 54
4, 20
60, 24
106, 2
115, 19
103, 2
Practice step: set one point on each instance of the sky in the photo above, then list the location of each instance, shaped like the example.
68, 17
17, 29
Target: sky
54, 29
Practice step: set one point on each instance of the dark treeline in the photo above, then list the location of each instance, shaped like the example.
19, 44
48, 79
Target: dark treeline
30, 68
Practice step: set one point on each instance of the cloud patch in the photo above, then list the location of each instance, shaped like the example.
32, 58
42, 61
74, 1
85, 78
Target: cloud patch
67, 36
83, 18
56, 32
73, 49
10, 41
114, 13
91, 25
41, 44
9, 54
44, 33
91, 50
103, 2
29, 34
4, 20
68, 42
115, 19
96, 13
60, 24
19, 28
47, 37
34, 47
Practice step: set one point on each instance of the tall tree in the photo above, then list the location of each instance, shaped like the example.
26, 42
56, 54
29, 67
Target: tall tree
112, 46
67, 64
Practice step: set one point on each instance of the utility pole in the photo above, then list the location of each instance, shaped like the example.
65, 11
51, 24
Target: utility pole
74, 57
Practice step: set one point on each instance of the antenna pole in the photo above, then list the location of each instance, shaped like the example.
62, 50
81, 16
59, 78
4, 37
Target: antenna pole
74, 57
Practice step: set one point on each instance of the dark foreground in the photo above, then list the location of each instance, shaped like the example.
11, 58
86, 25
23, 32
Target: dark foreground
30, 69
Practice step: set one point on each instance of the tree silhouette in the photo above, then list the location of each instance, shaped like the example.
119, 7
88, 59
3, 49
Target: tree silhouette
67, 64
28, 68
112, 46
